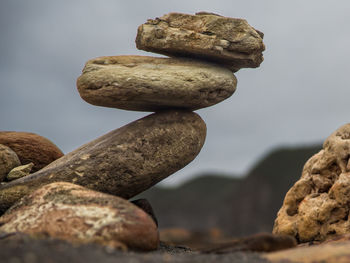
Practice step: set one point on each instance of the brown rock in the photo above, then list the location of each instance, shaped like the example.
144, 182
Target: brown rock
330, 253
146, 206
78, 215
317, 206
229, 41
31, 147
124, 162
8, 161
151, 84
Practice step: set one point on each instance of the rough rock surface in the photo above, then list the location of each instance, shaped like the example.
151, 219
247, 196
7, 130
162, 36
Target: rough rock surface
149, 83
19, 172
228, 41
317, 206
8, 161
330, 253
124, 162
31, 147
79, 215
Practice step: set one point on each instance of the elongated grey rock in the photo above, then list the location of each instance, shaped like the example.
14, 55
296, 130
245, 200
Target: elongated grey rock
78, 215
151, 83
229, 41
124, 162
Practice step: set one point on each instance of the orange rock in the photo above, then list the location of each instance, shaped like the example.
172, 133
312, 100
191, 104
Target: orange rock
73, 213
31, 147
316, 207
330, 253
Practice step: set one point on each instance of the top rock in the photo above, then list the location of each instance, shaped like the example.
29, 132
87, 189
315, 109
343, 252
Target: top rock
229, 41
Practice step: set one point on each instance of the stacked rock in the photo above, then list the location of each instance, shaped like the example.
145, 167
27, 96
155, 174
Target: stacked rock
204, 49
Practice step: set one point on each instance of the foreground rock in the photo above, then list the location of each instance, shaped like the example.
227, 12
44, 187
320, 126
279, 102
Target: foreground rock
317, 206
123, 162
78, 215
23, 248
224, 40
150, 84
331, 253
31, 147
8, 161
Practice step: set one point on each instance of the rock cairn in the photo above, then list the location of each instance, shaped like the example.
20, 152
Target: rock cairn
78, 192
317, 208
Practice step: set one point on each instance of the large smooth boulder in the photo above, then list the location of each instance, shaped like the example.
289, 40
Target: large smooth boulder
151, 83
317, 206
31, 148
79, 215
123, 162
227, 41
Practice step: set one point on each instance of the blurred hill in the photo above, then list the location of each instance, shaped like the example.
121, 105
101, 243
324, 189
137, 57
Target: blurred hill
237, 206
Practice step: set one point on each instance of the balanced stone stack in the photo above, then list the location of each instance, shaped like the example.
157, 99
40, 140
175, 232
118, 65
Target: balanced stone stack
81, 193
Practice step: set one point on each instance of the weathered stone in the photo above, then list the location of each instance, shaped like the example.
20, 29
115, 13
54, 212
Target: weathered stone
146, 206
8, 160
31, 147
124, 162
19, 172
317, 206
150, 84
229, 41
79, 215
330, 253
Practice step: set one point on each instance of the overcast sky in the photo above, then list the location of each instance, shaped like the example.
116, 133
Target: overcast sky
299, 95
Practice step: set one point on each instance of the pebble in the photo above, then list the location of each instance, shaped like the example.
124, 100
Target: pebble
8, 161
31, 148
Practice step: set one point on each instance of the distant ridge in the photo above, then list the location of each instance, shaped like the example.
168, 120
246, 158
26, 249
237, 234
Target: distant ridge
238, 206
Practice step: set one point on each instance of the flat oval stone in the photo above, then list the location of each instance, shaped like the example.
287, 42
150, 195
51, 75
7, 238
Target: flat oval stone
228, 41
78, 215
123, 162
143, 83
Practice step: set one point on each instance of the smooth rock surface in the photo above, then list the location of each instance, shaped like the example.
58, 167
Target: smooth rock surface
8, 161
317, 206
79, 215
31, 147
19, 172
143, 83
229, 41
146, 206
123, 162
